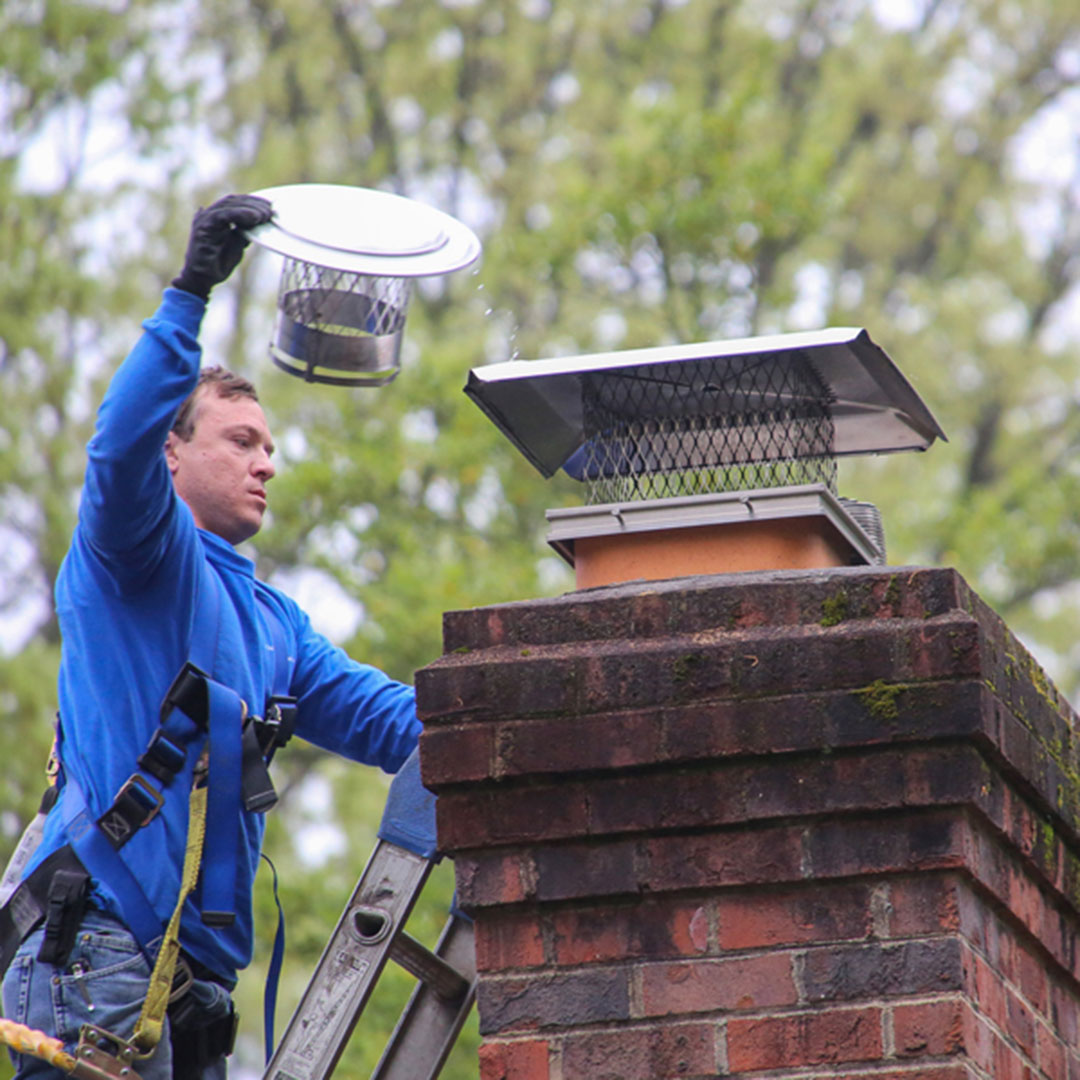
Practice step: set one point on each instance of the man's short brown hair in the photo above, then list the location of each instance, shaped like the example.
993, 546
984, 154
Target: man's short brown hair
216, 380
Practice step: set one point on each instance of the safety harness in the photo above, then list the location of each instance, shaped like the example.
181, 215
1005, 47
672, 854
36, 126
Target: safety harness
236, 763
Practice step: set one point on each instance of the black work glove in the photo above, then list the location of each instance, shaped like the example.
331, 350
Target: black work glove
217, 241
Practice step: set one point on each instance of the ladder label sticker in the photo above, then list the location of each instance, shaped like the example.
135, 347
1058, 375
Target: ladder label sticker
320, 1030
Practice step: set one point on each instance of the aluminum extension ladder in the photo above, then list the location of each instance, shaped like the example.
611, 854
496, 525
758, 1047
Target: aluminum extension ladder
369, 933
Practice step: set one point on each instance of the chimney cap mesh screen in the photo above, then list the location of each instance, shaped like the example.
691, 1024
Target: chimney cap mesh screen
665, 430
337, 326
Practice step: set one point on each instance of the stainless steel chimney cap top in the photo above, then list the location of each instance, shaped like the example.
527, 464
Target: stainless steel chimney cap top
364, 231
538, 404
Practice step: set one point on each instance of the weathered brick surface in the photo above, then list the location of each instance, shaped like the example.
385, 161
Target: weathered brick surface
831, 1037
554, 999
932, 1028
652, 1053
732, 602
725, 793
734, 984
813, 824
595, 677
873, 970
516, 1060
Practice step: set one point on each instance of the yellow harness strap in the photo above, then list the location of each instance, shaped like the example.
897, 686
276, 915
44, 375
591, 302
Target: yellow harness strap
151, 1024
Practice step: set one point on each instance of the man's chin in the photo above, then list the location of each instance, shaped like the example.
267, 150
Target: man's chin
241, 531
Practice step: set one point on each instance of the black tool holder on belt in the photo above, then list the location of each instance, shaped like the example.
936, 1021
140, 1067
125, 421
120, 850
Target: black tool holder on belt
69, 892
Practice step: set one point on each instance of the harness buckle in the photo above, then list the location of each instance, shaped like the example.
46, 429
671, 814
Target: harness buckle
188, 694
162, 758
136, 804
276, 727
182, 980
101, 1055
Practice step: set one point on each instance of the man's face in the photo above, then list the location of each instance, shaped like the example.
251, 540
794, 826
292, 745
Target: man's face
221, 472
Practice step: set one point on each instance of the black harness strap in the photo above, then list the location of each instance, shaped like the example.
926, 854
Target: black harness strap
261, 738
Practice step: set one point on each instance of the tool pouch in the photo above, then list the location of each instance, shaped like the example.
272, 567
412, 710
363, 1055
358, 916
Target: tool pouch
69, 892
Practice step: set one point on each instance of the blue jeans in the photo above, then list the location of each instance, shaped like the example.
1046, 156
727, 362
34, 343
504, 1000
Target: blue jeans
104, 983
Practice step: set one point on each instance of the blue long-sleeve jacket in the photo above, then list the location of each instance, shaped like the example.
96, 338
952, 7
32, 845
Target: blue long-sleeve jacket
125, 598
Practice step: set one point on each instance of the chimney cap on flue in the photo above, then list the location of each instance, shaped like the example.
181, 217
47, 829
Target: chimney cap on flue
539, 405
712, 457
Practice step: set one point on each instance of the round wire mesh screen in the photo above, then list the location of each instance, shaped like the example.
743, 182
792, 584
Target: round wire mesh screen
339, 327
705, 426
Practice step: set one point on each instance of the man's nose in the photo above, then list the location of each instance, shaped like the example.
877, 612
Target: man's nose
263, 466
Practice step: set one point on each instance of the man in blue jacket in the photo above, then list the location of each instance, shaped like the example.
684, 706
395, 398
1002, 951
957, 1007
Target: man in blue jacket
170, 648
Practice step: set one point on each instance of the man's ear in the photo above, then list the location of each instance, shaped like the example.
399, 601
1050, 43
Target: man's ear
171, 457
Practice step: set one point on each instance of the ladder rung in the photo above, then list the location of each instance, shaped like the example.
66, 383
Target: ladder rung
420, 962
428, 1028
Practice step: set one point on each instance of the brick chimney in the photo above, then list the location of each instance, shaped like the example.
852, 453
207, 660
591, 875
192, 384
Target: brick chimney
788, 824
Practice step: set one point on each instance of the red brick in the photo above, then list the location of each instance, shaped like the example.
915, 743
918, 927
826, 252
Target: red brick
593, 869
494, 878
654, 1053
1020, 1024
958, 1071
555, 999
629, 742
458, 754
566, 744
518, 1060
649, 929
480, 817
591, 935
875, 969
1032, 977
976, 919
716, 859
989, 991
831, 1037
929, 1028
1064, 1014
604, 675
924, 905
838, 718
979, 1040
735, 793
1051, 1052
1008, 1064
821, 912
898, 843
713, 986
509, 939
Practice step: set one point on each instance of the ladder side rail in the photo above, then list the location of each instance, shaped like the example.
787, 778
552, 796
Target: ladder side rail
429, 1025
350, 966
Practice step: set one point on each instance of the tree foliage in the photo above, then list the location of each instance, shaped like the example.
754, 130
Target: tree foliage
641, 172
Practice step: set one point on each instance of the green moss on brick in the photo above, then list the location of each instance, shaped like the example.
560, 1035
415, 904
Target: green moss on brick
892, 593
834, 609
684, 666
880, 698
